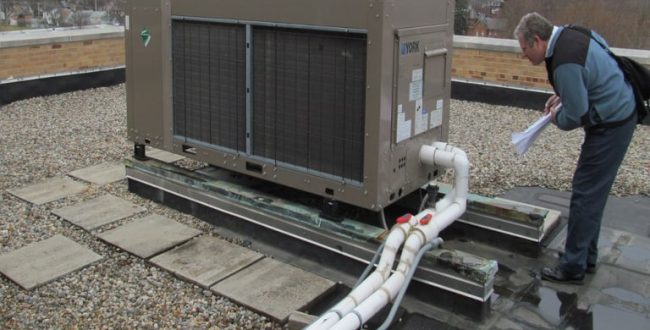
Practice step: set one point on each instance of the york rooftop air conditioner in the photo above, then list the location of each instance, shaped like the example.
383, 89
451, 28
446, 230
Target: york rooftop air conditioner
333, 97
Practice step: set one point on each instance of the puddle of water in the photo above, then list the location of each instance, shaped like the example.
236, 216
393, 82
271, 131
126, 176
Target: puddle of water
606, 241
601, 317
635, 253
551, 305
560, 310
626, 295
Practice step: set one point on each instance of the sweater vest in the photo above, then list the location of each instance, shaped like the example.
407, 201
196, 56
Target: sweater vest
570, 47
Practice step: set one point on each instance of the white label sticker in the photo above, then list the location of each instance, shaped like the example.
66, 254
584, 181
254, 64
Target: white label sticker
415, 90
435, 119
416, 75
403, 125
126, 22
421, 117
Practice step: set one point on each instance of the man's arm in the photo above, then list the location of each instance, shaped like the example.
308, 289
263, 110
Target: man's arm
571, 87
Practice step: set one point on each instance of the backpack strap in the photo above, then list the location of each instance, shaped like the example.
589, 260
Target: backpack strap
641, 110
586, 31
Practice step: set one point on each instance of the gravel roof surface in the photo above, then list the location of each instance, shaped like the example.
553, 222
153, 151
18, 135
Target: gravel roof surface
51, 136
484, 132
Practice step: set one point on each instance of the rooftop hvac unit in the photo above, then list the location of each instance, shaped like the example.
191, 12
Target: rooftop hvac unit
332, 97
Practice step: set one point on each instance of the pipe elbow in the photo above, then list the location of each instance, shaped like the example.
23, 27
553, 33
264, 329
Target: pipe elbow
462, 203
427, 154
448, 147
461, 164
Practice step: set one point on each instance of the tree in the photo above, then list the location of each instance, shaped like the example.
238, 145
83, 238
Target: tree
623, 23
461, 17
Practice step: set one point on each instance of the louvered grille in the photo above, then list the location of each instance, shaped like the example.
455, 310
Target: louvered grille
209, 83
309, 99
308, 93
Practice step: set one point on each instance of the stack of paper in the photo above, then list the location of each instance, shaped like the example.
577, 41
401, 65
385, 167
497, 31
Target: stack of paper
523, 140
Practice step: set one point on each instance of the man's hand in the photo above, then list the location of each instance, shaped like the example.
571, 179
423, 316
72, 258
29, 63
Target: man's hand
551, 103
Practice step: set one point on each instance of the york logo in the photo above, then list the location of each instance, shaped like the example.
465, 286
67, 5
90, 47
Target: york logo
409, 47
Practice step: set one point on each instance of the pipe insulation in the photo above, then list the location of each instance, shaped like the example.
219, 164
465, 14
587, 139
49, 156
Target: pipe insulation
379, 289
400, 295
388, 291
392, 244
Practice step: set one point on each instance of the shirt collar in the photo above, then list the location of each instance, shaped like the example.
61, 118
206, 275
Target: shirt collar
551, 41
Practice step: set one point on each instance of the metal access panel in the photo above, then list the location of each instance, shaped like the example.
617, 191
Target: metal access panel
334, 98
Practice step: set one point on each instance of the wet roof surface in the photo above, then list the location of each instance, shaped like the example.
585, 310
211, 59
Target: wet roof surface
616, 297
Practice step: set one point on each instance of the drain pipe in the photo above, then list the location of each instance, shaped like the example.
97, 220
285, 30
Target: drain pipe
382, 296
378, 289
453, 205
400, 295
390, 289
428, 226
392, 244
447, 158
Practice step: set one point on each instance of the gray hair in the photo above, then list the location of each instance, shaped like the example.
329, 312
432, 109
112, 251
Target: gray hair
531, 25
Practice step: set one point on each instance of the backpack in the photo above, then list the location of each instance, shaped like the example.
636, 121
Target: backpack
639, 78
635, 73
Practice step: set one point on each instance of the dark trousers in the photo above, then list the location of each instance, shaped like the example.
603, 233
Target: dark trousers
602, 152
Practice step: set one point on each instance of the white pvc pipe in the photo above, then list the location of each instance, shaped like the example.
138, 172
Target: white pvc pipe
443, 219
394, 240
446, 201
440, 153
448, 147
354, 310
380, 298
449, 209
443, 154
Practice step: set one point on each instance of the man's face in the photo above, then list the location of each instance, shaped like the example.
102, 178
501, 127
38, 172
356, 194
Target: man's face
536, 52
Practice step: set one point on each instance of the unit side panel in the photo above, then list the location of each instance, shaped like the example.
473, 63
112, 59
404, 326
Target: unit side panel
418, 44
422, 85
145, 72
379, 82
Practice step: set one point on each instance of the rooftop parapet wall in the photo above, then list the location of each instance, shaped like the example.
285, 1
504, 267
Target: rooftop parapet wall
34, 54
500, 62
497, 62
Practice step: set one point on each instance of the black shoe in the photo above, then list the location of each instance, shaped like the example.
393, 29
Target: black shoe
591, 268
556, 274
